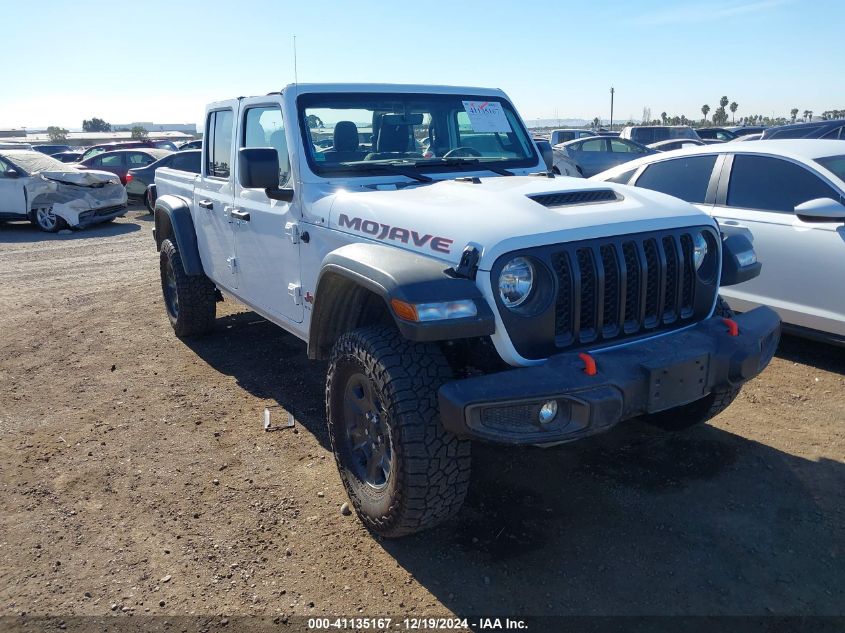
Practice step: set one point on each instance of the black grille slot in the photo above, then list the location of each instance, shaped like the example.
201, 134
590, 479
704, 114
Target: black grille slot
632, 292
575, 197
670, 311
652, 291
563, 304
687, 285
612, 292
621, 288
589, 293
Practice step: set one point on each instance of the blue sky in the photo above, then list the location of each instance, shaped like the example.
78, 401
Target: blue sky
162, 60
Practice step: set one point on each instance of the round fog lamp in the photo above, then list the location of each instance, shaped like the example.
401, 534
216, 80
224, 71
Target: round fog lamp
548, 412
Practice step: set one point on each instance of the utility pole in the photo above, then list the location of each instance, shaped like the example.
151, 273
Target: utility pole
611, 107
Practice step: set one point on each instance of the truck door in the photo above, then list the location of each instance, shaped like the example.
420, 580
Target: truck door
267, 231
214, 195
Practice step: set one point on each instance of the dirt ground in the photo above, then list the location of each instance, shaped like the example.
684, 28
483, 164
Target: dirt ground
135, 477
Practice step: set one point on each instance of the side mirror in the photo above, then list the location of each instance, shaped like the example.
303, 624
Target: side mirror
821, 210
258, 168
739, 261
546, 152
11, 173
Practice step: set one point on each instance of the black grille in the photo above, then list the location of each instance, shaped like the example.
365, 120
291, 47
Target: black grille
575, 197
563, 311
623, 287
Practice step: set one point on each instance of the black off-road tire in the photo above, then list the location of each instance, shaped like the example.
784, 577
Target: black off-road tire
429, 467
700, 411
196, 303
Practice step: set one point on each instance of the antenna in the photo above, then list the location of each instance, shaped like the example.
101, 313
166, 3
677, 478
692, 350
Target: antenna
295, 77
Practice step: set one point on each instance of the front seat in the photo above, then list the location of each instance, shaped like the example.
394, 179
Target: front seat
345, 145
394, 140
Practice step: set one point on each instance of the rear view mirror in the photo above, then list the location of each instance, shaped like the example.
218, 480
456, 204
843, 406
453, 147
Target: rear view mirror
415, 118
11, 173
546, 152
821, 210
258, 168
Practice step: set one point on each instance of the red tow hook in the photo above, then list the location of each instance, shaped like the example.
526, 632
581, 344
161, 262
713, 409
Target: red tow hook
733, 327
589, 364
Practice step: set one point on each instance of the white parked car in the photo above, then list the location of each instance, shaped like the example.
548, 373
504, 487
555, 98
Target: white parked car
790, 196
53, 195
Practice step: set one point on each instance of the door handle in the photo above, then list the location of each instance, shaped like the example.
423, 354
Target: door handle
206, 204
240, 215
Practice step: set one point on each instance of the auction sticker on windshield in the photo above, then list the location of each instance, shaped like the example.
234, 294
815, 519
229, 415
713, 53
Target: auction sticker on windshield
487, 116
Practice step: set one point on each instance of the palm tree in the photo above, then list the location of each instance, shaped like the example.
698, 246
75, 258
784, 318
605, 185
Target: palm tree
723, 102
794, 113
704, 110
806, 114
663, 117
810, 113
596, 122
734, 107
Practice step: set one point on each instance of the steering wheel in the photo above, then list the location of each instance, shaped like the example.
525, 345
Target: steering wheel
461, 151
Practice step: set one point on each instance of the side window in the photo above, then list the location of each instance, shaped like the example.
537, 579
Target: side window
4, 166
186, 161
773, 184
620, 146
835, 133
685, 178
114, 160
219, 131
594, 145
264, 127
137, 159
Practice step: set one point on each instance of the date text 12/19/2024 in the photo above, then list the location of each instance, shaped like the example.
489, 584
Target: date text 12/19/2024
416, 624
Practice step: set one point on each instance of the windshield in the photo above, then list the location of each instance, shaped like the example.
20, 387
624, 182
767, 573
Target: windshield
370, 133
835, 164
34, 162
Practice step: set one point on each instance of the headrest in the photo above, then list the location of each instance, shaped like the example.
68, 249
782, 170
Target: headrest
394, 138
345, 136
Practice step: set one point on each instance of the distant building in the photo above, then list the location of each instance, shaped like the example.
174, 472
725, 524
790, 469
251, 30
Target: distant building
187, 128
10, 133
94, 138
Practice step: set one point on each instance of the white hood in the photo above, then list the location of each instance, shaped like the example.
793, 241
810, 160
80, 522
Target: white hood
439, 219
80, 177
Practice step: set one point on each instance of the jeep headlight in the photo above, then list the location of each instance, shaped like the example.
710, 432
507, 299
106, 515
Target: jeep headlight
516, 281
699, 249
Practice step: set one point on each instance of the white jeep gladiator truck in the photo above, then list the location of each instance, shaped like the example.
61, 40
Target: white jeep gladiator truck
468, 294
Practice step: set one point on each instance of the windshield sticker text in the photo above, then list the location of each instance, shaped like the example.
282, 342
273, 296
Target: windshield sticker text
487, 116
396, 233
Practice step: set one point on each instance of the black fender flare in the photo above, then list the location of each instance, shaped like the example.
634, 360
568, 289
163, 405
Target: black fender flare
395, 273
173, 219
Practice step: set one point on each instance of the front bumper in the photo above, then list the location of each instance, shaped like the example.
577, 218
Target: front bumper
645, 377
103, 214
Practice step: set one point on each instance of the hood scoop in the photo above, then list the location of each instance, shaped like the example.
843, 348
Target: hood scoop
567, 198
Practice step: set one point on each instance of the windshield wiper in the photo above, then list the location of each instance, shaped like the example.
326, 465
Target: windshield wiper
459, 162
390, 169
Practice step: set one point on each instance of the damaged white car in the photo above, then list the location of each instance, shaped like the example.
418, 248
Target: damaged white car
53, 195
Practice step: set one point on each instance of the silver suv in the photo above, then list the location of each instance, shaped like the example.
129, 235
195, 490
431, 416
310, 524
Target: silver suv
648, 134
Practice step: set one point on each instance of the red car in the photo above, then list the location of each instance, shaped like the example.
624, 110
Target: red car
121, 161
